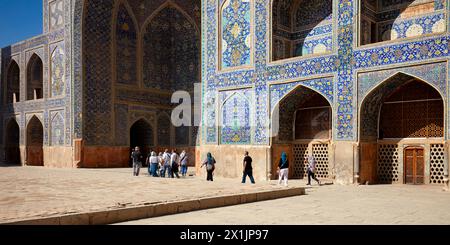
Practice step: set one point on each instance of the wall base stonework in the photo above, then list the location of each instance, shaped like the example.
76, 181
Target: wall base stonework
230, 160
58, 157
35, 156
344, 160
105, 157
368, 163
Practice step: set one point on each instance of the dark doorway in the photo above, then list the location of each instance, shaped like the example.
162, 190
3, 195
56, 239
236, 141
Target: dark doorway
35, 143
13, 83
12, 146
141, 134
35, 75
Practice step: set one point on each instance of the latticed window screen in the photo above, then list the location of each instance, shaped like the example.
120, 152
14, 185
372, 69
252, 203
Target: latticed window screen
414, 111
320, 152
300, 161
388, 164
437, 159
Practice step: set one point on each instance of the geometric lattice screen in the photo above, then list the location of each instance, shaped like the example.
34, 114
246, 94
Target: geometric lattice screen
300, 161
388, 164
437, 159
320, 152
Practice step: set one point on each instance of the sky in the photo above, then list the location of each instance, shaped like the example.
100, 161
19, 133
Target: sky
19, 20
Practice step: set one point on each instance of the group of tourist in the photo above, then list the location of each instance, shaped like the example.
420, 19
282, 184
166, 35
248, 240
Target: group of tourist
171, 162
159, 165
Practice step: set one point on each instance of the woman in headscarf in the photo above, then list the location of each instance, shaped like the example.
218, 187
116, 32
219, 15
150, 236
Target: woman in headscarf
283, 169
153, 164
210, 164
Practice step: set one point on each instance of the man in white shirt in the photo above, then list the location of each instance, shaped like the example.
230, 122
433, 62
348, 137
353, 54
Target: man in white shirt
174, 159
167, 167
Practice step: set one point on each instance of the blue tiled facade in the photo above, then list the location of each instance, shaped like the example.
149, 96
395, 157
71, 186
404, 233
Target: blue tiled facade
108, 63
337, 69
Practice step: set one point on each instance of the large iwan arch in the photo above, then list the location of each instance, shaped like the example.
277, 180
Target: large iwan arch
302, 126
402, 130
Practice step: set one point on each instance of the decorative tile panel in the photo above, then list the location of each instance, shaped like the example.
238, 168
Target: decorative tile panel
236, 117
236, 33
57, 71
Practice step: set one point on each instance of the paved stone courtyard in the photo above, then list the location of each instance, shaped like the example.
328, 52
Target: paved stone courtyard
35, 192
330, 205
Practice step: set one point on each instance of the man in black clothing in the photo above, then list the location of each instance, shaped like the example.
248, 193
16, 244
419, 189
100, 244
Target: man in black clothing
248, 169
137, 161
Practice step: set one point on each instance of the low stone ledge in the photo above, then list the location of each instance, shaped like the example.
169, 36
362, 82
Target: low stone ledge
160, 209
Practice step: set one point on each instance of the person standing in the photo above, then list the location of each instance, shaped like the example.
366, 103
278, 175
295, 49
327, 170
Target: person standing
312, 169
248, 169
174, 159
184, 163
136, 155
153, 164
210, 164
160, 164
166, 164
283, 169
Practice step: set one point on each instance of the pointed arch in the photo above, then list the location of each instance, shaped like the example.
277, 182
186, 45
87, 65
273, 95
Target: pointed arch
57, 129
295, 88
126, 35
13, 82
168, 4
164, 130
370, 109
235, 120
142, 135
35, 78
305, 108
12, 142
35, 142
171, 50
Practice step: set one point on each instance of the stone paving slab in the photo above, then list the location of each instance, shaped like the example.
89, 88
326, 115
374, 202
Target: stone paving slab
33, 195
330, 205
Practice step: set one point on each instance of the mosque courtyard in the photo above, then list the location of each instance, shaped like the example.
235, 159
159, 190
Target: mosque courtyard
38, 193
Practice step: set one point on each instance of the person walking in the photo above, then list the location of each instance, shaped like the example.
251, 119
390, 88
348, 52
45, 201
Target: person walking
184, 163
248, 169
174, 159
167, 167
210, 164
283, 169
153, 164
136, 155
312, 169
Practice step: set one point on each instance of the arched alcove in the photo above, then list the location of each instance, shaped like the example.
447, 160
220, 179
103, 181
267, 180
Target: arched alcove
402, 113
35, 78
383, 20
301, 27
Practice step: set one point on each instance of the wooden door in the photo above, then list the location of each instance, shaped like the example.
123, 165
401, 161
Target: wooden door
414, 166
